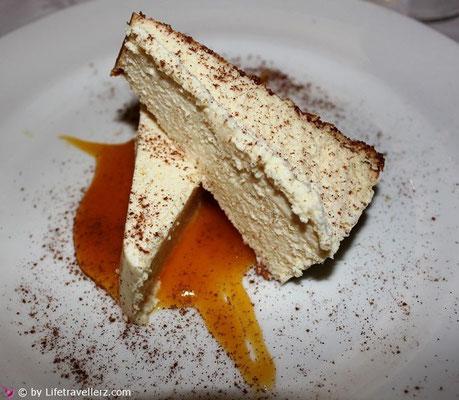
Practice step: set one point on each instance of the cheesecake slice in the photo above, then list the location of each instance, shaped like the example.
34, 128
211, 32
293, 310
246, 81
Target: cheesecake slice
164, 189
292, 185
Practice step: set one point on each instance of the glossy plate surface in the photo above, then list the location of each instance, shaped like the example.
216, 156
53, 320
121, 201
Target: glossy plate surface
379, 322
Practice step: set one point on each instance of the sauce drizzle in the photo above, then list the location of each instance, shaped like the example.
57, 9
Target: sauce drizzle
98, 228
204, 270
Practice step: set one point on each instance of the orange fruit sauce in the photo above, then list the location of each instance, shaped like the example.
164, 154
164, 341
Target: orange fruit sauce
204, 269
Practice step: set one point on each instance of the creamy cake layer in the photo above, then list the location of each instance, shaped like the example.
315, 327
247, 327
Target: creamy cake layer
291, 184
163, 188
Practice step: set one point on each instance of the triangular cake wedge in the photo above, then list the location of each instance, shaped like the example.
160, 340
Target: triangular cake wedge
292, 185
164, 189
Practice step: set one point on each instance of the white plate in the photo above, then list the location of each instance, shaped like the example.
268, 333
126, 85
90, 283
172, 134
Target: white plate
380, 322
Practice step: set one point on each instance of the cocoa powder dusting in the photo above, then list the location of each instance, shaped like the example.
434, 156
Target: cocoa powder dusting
81, 329
308, 96
77, 327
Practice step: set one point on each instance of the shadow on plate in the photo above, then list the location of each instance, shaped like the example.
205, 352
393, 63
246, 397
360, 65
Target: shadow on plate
325, 271
129, 114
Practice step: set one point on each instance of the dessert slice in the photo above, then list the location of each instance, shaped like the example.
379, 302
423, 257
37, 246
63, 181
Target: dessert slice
164, 188
292, 185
